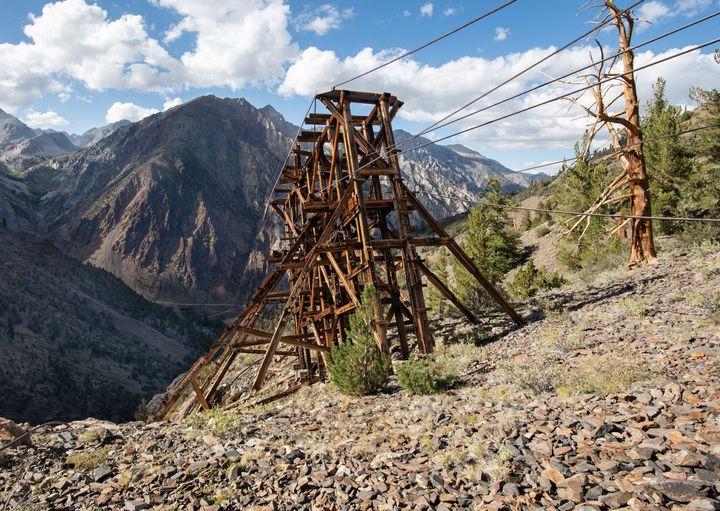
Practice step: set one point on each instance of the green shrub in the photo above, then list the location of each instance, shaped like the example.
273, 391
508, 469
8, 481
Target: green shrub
525, 223
357, 368
529, 280
425, 376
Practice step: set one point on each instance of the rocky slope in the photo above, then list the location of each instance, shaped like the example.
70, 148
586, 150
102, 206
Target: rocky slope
634, 425
170, 204
21, 146
453, 171
94, 135
75, 341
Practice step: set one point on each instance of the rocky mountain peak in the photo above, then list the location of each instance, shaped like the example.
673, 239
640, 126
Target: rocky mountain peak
170, 204
13, 130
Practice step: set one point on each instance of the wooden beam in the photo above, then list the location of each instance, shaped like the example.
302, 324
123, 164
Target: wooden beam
435, 281
465, 260
199, 394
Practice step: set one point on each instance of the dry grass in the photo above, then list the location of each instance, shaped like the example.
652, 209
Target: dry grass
88, 460
598, 374
500, 466
221, 423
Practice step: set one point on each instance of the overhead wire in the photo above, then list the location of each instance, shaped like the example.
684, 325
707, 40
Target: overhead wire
429, 43
566, 95
441, 124
542, 103
529, 68
614, 151
573, 213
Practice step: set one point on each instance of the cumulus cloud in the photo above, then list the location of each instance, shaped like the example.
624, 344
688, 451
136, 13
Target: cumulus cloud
692, 7
169, 103
127, 111
652, 12
501, 33
656, 11
449, 11
426, 9
431, 92
47, 119
236, 43
323, 19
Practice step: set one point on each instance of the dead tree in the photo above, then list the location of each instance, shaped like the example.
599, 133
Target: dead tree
632, 183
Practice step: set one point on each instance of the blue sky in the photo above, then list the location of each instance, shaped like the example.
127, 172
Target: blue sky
76, 64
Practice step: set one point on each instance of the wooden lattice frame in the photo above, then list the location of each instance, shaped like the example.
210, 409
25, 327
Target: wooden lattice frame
347, 220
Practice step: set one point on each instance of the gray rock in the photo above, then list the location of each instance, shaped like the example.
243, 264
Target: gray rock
101, 473
616, 499
136, 505
703, 505
511, 490
681, 491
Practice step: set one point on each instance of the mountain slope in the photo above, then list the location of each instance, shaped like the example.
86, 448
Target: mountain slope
76, 341
442, 173
94, 135
21, 146
170, 204
37, 149
12, 130
16, 203
612, 404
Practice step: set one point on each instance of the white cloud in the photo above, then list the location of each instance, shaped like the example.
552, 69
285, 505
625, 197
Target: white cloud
130, 111
426, 9
407, 13
431, 92
71, 40
47, 119
169, 103
652, 12
692, 7
501, 33
449, 11
236, 43
655, 11
323, 19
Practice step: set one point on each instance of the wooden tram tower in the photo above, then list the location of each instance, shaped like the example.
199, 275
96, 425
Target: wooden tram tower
346, 214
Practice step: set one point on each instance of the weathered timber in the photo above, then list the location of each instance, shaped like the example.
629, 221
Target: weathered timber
347, 220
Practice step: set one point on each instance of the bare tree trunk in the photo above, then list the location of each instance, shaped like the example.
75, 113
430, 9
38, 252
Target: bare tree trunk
634, 177
642, 246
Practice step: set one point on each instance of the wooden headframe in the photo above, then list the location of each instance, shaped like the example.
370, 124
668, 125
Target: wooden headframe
347, 224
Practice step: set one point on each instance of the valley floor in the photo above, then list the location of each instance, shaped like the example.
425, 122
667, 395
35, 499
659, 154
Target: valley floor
609, 399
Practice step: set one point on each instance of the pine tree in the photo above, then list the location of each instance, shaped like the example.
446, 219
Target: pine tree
668, 162
357, 368
701, 191
436, 300
576, 188
491, 243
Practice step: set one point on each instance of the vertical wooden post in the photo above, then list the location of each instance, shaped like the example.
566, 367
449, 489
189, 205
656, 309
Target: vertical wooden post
409, 254
365, 238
